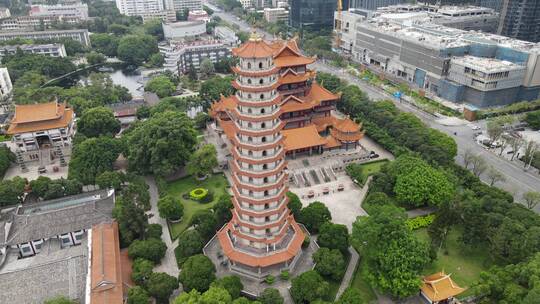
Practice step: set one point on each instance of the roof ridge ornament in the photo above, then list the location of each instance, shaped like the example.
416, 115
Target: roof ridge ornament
255, 36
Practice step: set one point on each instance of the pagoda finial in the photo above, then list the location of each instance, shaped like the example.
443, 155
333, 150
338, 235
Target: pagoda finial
255, 36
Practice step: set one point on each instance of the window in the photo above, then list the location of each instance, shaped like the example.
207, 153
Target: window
262, 111
260, 65
267, 219
263, 139
249, 81
249, 65
265, 180
265, 192
25, 249
266, 206
264, 154
262, 96
261, 81
265, 166
66, 240
263, 125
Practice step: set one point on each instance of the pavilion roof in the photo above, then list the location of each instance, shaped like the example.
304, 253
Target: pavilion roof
301, 138
440, 286
37, 117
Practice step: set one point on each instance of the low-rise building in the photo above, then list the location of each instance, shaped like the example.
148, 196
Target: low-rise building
246, 3
198, 15
64, 247
182, 29
181, 56
42, 132
80, 35
461, 66
51, 49
226, 35
439, 288
35, 22
5, 84
4, 12
79, 10
278, 14
164, 15
345, 28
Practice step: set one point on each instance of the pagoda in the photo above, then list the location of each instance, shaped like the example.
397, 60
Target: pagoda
262, 236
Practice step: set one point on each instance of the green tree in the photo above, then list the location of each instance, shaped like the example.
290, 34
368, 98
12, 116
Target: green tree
308, 287
104, 43
531, 198
118, 29
132, 221
232, 284
271, 296
141, 271
329, 81
351, 295
40, 186
334, 236
201, 119
203, 161
170, 208
154, 231
11, 191
329, 263
212, 89
295, 205
222, 210
397, 270
6, 158
156, 60
314, 215
110, 179
207, 68
161, 285
98, 121
60, 300
423, 185
137, 295
192, 297
198, 272
136, 49
205, 223
95, 58
161, 144
150, 249
533, 119
154, 29
161, 85
92, 157
190, 243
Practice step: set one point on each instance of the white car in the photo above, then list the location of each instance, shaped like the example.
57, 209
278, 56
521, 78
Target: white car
474, 127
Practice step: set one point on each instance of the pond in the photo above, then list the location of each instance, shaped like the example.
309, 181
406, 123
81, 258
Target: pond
133, 80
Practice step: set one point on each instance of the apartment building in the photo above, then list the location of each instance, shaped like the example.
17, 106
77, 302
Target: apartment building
180, 5
138, 7
51, 49
181, 56
273, 15
5, 84
35, 22
80, 35
79, 10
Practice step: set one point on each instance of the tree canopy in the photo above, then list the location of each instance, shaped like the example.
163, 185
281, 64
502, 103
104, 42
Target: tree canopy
308, 287
98, 121
203, 161
150, 249
161, 285
423, 185
161, 85
92, 157
330, 263
198, 272
136, 49
161, 144
170, 208
314, 215
334, 236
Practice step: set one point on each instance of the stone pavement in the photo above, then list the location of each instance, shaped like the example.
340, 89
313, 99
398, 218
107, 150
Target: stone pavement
168, 264
349, 273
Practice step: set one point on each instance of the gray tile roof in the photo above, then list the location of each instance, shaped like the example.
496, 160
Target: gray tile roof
50, 218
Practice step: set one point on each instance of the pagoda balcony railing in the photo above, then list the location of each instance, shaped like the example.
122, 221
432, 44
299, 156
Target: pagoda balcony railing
292, 91
269, 114
253, 209
275, 128
256, 85
255, 99
281, 218
269, 250
276, 182
257, 144
295, 118
259, 157
259, 197
256, 171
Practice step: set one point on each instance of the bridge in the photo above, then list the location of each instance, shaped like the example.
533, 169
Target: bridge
107, 61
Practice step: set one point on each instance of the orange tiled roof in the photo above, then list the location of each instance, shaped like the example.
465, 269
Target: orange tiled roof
254, 48
38, 112
291, 77
106, 285
228, 128
440, 286
126, 268
31, 126
347, 136
346, 125
331, 142
319, 93
323, 122
285, 61
261, 261
301, 138
293, 104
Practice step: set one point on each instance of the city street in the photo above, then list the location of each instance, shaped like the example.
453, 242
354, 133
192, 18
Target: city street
517, 181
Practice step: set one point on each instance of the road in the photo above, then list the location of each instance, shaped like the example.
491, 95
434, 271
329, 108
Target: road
517, 181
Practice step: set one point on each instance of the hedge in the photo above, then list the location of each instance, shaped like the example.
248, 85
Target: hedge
420, 221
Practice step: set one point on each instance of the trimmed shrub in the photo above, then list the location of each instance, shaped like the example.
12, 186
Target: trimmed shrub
420, 221
270, 279
198, 194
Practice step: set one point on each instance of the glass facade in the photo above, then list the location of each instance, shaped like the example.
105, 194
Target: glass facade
314, 14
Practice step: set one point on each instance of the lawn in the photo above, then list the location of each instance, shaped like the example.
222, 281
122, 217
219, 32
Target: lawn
464, 262
359, 282
372, 167
216, 183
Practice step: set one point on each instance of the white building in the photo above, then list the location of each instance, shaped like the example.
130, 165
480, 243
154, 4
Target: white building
180, 5
201, 15
246, 3
5, 83
183, 29
345, 24
4, 12
80, 35
73, 10
165, 16
226, 35
181, 56
138, 7
35, 22
273, 15
52, 49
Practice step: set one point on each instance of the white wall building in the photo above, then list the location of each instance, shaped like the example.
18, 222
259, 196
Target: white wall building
5, 83
4, 13
226, 35
180, 5
73, 10
276, 14
165, 15
138, 7
246, 3
52, 49
182, 29
344, 26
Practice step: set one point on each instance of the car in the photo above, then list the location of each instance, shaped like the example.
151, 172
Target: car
475, 127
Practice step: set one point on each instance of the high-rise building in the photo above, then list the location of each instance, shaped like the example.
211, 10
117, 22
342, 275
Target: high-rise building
180, 5
373, 4
139, 7
520, 19
314, 14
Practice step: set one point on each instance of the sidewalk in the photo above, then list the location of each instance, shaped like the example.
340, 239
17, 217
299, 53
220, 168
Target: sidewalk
168, 264
351, 269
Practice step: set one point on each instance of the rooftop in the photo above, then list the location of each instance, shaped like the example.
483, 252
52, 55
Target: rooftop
440, 286
54, 271
182, 24
50, 218
41, 116
488, 65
